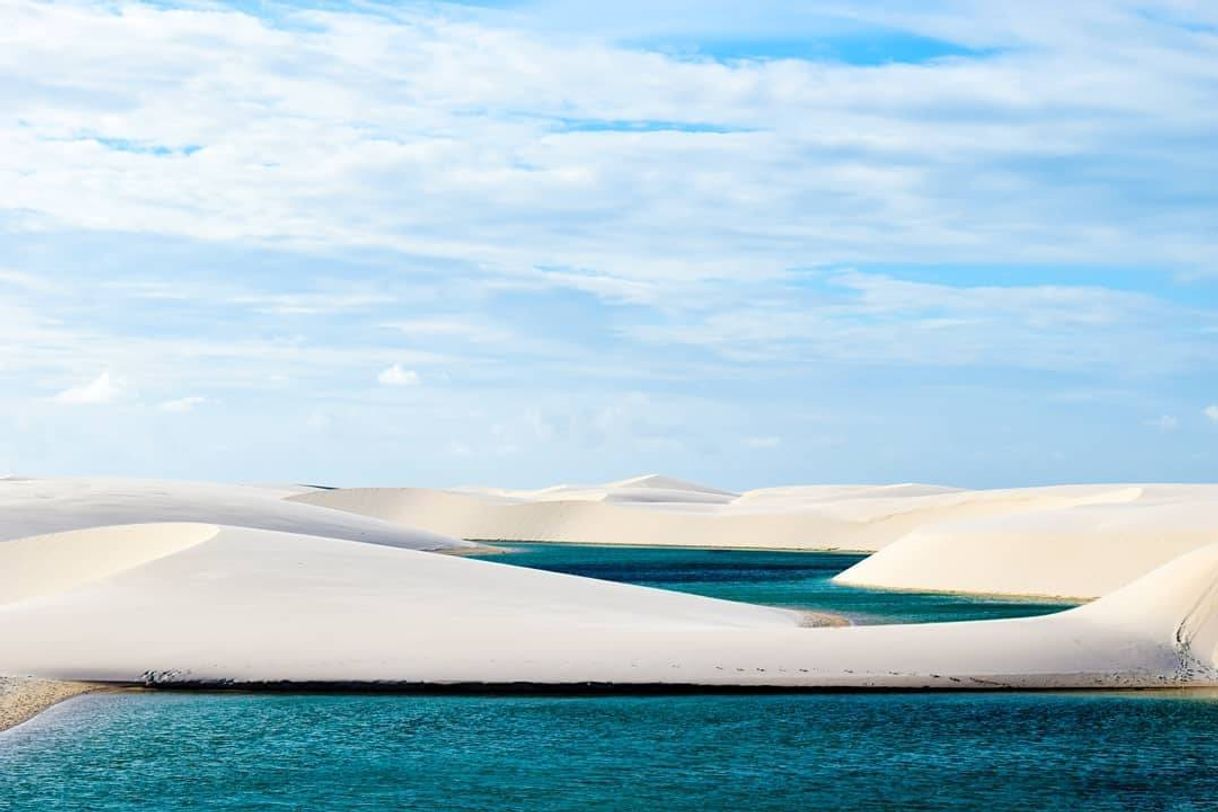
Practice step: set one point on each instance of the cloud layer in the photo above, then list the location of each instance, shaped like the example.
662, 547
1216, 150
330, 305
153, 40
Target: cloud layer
690, 236
1083, 135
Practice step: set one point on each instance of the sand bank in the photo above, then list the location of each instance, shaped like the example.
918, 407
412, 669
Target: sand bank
22, 699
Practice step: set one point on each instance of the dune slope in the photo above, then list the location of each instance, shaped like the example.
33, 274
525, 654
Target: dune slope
252, 606
1076, 541
30, 507
1079, 551
670, 513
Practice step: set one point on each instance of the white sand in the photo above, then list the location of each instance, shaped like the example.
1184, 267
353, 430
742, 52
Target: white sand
31, 507
247, 605
1071, 540
1082, 550
47, 565
637, 512
133, 582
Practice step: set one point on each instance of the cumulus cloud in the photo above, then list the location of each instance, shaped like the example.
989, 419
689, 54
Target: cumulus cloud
102, 389
396, 375
1211, 412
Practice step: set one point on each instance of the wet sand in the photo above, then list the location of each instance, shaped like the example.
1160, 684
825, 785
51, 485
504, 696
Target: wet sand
22, 699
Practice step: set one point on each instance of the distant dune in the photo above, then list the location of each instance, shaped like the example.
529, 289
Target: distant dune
1069, 540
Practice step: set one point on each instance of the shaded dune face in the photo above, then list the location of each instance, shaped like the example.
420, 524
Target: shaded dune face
1178, 601
47, 565
192, 604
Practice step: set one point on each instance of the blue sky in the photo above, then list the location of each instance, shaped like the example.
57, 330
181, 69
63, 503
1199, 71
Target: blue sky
973, 243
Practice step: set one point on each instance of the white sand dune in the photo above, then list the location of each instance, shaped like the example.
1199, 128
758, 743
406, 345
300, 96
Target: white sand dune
862, 518
1077, 541
647, 488
47, 565
30, 507
203, 604
1081, 550
182, 583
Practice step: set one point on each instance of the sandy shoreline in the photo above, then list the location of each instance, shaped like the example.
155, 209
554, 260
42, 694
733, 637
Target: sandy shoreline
22, 699
812, 618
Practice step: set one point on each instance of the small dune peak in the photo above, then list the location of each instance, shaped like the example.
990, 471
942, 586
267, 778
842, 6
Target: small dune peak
666, 483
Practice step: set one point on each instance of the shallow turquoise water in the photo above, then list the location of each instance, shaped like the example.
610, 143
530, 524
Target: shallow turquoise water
675, 753
168, 751
772, 578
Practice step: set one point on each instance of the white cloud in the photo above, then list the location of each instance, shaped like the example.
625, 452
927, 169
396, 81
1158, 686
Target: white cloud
868, 318
452, 327
1211, 412
185, 404
443, 133
763, 442
516, 201
312, 304
102, 389
397, 376
1166, 422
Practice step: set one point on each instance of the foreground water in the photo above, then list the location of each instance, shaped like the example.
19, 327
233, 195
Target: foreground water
698, 753
998, 751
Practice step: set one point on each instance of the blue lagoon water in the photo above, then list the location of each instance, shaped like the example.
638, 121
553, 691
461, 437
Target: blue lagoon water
169, 751
788, 579
996, 751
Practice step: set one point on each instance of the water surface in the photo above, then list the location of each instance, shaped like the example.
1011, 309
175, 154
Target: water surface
800, 580
698, 753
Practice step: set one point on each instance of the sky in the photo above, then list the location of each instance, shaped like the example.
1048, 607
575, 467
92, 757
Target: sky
523, 243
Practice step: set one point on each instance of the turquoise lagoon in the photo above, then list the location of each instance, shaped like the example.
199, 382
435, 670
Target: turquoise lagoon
232, 751
801, 580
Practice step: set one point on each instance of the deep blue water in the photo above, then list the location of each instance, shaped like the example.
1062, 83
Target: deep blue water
773, 578
994, 751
